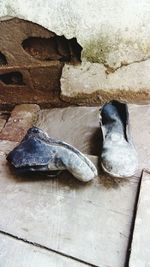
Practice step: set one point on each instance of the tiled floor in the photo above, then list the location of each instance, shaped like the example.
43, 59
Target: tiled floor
61, 221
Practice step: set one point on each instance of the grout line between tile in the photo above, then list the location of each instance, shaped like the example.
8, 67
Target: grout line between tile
133, 222
47, 248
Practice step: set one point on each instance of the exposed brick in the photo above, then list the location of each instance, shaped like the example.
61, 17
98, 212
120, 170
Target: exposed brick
41, 86
2, 123
22, 118
38, 56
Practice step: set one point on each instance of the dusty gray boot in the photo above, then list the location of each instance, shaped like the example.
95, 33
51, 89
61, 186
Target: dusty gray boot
38, 152
118, 157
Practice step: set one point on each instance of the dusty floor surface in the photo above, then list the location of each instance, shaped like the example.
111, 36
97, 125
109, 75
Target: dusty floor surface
61, 221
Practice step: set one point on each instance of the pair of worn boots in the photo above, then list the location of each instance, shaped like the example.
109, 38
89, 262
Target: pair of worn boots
38, 152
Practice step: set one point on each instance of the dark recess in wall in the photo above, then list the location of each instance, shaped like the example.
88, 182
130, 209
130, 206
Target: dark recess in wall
54, 48
32, 59
12, 78
3, 60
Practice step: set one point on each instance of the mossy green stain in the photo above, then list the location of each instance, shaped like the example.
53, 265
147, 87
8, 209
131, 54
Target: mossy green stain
97, 50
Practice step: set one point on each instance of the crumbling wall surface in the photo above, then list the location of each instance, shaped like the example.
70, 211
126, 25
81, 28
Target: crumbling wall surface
112, 32
41, 42
31, 62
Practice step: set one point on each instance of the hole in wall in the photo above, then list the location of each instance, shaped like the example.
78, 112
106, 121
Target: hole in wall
12, 78
54, 48
3, 60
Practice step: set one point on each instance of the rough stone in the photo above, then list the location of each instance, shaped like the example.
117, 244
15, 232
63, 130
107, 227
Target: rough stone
90, 84
22, 118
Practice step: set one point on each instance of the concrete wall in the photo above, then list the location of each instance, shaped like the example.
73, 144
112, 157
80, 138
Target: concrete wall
111, 32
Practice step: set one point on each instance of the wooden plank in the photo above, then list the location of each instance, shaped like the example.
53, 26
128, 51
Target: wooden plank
89, 221
140, 250
16, 253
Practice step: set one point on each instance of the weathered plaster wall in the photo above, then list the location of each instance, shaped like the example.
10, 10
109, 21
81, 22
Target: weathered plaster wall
114, 35
111, 32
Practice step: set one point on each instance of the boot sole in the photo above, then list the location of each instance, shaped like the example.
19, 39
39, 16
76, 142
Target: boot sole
113, 174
